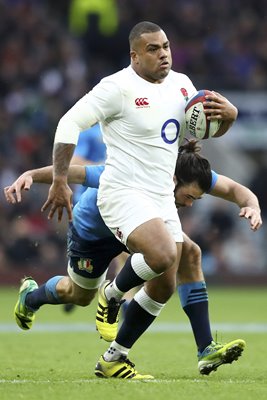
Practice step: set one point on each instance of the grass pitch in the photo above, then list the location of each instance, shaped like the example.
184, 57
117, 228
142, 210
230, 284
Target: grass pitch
56, 358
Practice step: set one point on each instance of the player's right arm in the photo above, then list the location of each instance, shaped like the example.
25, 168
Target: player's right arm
76, 174
247, 201
97, 105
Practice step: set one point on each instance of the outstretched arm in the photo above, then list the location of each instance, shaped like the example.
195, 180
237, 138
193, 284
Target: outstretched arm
247, 201
219, 107
76, 174
60, 194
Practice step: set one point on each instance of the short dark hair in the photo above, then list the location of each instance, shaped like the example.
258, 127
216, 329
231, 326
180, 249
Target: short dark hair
142, 27
192, 167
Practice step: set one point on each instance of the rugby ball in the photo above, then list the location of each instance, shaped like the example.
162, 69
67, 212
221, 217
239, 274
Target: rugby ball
196, 120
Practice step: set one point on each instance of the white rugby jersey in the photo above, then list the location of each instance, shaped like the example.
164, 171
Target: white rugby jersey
142, 125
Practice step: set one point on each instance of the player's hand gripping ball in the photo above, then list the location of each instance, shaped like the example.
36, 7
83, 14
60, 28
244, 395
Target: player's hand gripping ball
196, 119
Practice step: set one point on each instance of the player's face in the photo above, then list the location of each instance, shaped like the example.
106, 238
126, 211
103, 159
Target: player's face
151, 56
185, 195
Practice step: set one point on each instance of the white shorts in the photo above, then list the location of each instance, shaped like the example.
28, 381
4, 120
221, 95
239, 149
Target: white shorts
123, 210
83, 282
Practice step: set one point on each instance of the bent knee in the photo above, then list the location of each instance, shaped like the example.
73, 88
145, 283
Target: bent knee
162, 259
190, 268
194, 253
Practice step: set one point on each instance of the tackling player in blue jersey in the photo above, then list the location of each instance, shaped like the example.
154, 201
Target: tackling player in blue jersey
91, 246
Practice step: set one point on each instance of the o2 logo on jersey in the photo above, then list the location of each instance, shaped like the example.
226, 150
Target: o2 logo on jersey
170, 131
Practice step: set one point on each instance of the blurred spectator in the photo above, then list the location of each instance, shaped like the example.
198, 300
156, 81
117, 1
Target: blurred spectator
259, 182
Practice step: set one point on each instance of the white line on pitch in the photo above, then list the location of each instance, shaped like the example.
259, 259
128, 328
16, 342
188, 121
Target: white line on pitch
158, 327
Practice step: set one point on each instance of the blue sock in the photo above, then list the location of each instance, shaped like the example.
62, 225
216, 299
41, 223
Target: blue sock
124, 307
127, 278
136, 322
194, 300
45, 294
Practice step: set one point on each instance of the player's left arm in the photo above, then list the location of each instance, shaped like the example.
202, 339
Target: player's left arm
219, 107
247, 201
76, 174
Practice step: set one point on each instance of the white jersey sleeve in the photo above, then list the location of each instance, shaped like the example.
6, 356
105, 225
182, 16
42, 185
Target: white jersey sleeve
97, 105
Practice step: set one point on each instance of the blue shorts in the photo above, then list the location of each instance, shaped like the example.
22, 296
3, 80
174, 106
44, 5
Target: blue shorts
90, 259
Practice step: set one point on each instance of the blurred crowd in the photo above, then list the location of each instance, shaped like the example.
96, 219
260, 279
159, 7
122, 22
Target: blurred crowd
52, 53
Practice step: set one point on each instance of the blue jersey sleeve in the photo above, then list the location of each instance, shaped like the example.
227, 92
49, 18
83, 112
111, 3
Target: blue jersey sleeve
214, 178
83, 146
91, 146
92, 175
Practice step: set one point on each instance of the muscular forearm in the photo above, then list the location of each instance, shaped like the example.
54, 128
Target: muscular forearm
238, 194
230, 190
226, 112
227, 123
62, 154
224, 127
41, 175
76, 174
245, 198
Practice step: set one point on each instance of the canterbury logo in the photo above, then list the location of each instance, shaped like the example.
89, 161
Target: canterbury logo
142, 102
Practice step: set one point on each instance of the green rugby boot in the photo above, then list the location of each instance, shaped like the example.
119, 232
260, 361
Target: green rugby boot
217, 354
23, 315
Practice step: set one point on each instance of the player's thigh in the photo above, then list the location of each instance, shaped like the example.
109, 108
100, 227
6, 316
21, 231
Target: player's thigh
89, 260
147, 223
154, 241
127, 210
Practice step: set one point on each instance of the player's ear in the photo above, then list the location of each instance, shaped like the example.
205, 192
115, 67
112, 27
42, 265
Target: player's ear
134, 56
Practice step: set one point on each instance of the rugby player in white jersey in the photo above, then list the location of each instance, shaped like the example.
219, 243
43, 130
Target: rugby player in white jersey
141, 113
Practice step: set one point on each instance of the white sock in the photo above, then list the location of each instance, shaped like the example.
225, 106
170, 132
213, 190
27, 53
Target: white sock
112, 291
149, 305
141, 268
115, 351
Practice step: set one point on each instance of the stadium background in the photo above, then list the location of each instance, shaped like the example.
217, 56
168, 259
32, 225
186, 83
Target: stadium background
51, 53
